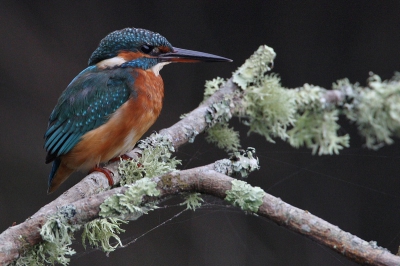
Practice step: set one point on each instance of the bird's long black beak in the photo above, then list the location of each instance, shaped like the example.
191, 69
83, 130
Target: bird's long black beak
188, 56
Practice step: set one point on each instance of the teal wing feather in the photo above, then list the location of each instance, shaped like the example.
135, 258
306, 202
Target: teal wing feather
86, 104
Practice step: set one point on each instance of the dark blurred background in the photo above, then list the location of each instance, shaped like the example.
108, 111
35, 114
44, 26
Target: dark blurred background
45, 44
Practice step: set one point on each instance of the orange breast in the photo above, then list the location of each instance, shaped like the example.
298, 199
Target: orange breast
124, 128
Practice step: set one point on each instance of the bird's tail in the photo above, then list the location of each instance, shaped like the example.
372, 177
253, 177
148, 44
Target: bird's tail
59, 173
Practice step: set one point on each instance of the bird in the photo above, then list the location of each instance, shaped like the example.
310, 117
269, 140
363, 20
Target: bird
108, 106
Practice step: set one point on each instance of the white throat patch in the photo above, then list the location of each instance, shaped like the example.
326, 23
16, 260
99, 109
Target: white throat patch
111, 62
156, 69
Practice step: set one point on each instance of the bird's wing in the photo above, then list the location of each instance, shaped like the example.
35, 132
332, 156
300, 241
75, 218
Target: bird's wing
86, 104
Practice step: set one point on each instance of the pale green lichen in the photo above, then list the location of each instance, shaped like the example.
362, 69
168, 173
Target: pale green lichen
268, 107
308, 97
155, 160
376, 110
245, 196
252, 72
307, 116
99, 232
45, 253
57, 230
316, 124
318, 131
212, 86
57, 235
244, 162
271, 110
192, 201
129, 206
223, 137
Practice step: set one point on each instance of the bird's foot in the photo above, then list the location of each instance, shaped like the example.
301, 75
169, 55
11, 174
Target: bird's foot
109, 175
123, 157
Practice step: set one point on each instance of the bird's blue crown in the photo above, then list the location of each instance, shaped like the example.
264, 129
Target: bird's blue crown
128, 39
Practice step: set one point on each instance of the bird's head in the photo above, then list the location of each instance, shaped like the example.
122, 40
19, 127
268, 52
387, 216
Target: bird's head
144, 49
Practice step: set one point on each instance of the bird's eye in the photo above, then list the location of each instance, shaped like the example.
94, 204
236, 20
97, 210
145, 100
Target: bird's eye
146, 48
155, 51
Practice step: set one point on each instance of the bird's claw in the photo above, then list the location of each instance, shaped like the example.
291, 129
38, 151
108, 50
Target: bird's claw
109, 175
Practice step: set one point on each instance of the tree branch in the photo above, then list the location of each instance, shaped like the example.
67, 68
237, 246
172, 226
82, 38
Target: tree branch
207, 180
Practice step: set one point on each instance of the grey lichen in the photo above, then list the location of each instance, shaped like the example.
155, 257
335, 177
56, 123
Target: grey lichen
245, 196
219, 112
129, 206
217, 118
191, 134
155, 160
244, 162
99, 232
224, 166
156, 139
192, 201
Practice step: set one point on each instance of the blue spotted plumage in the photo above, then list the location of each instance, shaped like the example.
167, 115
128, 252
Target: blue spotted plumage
85, 105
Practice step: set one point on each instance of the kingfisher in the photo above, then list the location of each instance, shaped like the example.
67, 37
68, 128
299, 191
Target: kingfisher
107, 107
